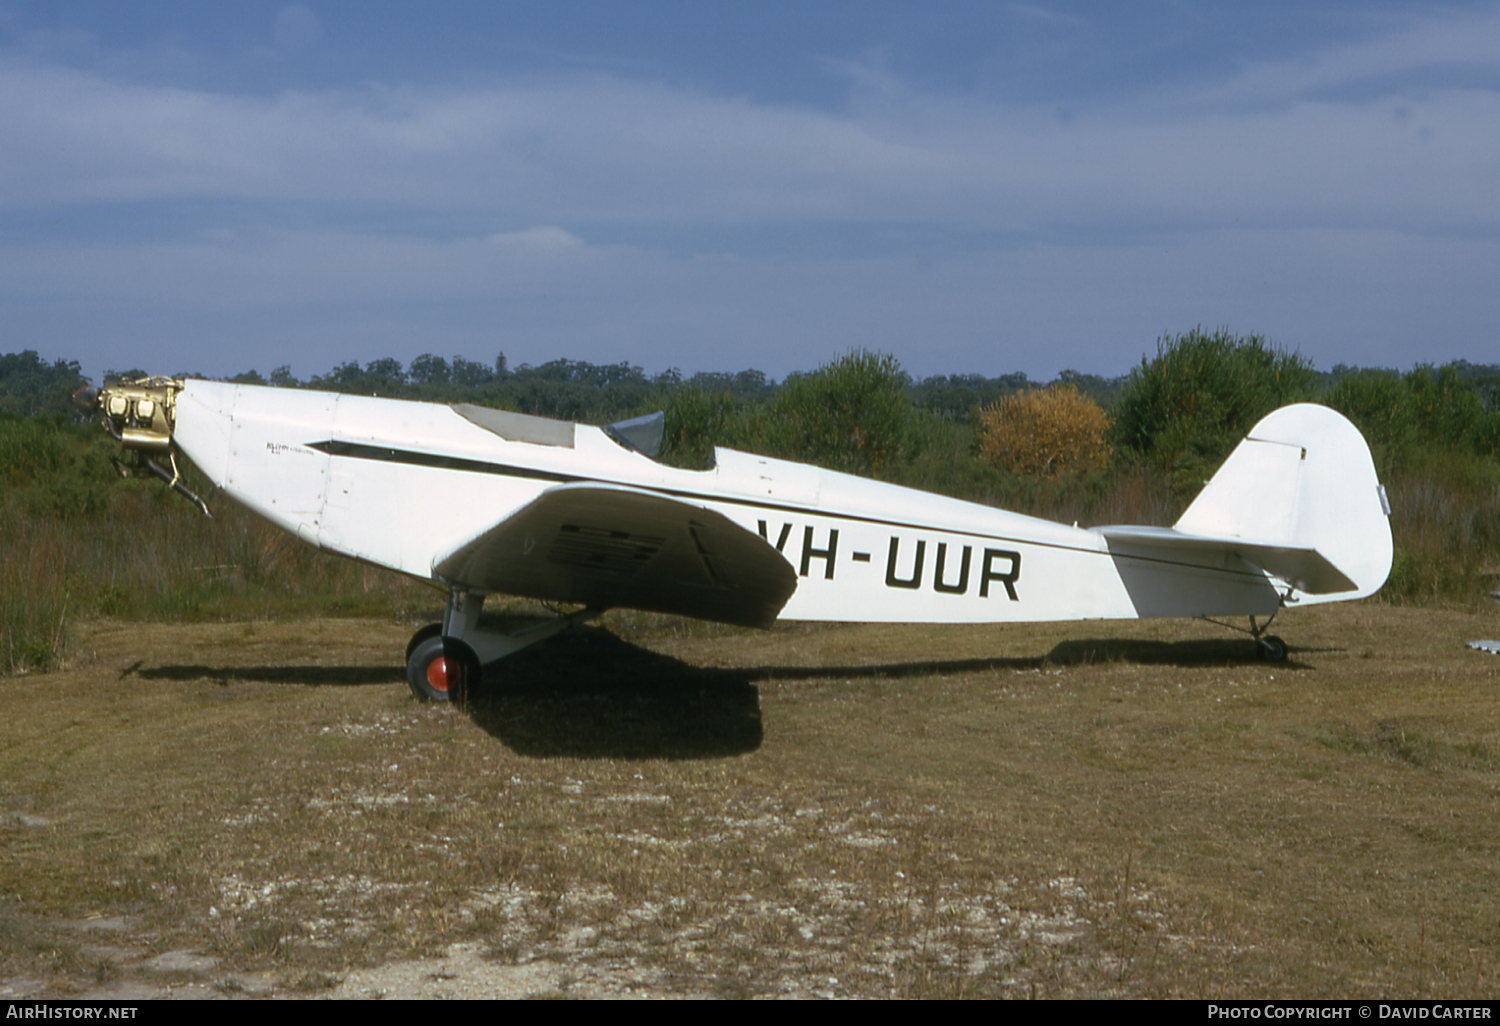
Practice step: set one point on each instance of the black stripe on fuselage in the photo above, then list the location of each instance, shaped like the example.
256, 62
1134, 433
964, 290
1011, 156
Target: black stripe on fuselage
409, 457
386, 454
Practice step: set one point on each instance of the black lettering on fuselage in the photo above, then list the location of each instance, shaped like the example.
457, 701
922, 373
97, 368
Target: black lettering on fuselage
826, 555
963, 572
1009, 578
998, 565
915, 580
786, 531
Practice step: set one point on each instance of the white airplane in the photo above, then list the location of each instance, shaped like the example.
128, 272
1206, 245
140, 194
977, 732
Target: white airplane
482, 501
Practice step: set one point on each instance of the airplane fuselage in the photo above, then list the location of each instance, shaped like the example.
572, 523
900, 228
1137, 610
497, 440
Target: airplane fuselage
402, 484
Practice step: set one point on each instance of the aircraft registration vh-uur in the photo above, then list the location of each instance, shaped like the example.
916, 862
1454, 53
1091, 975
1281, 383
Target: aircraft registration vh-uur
481, 501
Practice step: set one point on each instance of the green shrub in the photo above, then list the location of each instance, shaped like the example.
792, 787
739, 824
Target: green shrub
1416, 417
29, 385
1448, 412
852, 415
1186, 408
1379, 403
697, 420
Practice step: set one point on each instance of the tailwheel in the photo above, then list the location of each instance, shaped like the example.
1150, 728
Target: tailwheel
440, 669
1272, 648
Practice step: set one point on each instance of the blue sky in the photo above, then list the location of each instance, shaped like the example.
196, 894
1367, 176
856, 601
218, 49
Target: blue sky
974, 187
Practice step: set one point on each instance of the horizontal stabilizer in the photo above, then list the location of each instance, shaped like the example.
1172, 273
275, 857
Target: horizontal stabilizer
611, 547
1306, 570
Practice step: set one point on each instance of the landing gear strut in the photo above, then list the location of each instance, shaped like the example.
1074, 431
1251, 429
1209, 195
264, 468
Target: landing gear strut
445, 661
1270, 648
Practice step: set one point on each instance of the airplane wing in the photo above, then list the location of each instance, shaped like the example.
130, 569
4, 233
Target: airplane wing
613, 547
1306, 569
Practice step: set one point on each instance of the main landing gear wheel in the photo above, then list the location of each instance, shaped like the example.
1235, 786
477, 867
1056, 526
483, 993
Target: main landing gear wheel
1272, 648
440, 669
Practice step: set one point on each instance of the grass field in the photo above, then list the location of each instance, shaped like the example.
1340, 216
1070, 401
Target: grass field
657, 807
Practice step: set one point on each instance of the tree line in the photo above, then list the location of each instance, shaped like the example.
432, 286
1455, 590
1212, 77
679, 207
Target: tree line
1180, 410
566, 389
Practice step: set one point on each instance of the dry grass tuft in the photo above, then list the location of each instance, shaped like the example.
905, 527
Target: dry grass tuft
1048, 432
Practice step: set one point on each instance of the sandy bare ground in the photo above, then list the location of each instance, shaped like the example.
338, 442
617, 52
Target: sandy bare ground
658, 809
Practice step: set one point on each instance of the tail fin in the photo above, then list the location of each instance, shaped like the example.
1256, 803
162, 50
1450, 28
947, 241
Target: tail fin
1302, 481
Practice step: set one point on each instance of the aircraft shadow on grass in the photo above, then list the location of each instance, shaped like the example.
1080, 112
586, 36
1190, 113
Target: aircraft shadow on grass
307, 676
591, 694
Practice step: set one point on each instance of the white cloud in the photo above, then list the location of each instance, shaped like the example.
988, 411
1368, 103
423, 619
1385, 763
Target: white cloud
1404, 58
600, 150
1344, 221
543, 240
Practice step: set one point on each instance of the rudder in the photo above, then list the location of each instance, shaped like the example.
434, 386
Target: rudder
1302, 478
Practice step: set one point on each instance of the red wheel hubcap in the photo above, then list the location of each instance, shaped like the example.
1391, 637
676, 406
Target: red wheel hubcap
437, 674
